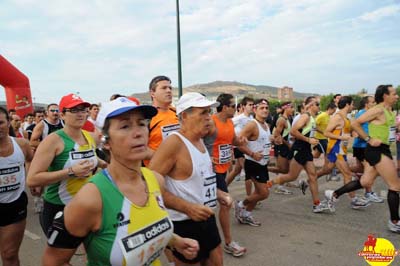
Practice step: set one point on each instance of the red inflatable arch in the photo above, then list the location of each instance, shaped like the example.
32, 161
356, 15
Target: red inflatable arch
16, 85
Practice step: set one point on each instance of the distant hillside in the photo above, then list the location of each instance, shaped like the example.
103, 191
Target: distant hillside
213, 89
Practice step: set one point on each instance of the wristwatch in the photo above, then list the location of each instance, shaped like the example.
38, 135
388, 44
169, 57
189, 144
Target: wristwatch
367, 138
70, 172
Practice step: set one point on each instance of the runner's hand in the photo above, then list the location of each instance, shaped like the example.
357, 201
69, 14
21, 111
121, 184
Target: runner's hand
83, 168
257, 155
313, 141
187, 247
199, 212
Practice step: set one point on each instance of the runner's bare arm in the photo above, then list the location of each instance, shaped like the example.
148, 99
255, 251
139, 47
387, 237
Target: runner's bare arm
334, 122
295, 130
163, 162
36, 135
368, 116
81, 216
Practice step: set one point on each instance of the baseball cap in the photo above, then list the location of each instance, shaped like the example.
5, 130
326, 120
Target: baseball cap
119, 106
70, 101
193, 99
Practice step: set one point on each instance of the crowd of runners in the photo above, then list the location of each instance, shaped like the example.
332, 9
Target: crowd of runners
129, 182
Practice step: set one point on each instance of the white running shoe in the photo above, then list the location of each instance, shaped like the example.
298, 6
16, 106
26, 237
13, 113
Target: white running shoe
394, 227
282, 190
359, 203
238, 212
373, 197
234, 249
250, 221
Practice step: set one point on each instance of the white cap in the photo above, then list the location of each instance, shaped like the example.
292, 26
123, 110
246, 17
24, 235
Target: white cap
119, 106
193, 99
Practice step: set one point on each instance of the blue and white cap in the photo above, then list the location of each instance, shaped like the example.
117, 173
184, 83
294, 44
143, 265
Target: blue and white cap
119, 106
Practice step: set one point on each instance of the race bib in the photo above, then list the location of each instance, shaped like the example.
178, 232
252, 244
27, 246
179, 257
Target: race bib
210, 191
144, 246
392, 134
225, 153
267, 150
77, 156
312, 132
167, 130
9, 178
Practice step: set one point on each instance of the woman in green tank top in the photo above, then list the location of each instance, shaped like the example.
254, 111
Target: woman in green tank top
119, 215
64, 160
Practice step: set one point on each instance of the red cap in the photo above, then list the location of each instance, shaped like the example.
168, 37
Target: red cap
70, 101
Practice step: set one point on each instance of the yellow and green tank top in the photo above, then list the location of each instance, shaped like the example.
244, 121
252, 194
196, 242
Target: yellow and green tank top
385, 132
129, 234
61, 193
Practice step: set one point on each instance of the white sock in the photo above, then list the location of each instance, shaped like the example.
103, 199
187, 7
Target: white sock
241, 204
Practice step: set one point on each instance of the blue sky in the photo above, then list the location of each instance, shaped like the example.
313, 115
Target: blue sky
100, 47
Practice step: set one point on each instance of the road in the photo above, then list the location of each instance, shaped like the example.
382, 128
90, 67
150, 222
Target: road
291, 234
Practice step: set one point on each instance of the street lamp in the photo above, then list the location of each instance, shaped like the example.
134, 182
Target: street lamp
178, 37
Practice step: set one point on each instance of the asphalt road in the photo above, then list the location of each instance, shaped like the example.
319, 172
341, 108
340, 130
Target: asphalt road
290, 234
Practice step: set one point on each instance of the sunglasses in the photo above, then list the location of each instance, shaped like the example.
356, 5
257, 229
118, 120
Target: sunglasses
54, 110
232, 105
76, 110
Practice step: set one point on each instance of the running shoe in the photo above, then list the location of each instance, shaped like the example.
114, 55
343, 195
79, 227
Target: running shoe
372, 197
322, 206
394, 227
238, 212
282, 190
234, 249
331, 200
250, 221
358, 203
303, 184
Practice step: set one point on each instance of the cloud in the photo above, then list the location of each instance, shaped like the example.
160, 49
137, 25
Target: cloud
381, 13
98, 46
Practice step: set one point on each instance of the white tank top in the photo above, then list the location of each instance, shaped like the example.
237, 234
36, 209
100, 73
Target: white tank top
261, 144
12, 175
200, 187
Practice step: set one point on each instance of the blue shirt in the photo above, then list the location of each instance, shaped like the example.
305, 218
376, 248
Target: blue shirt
360, 143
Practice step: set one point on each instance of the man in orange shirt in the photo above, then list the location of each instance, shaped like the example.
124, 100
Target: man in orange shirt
166, 120
219, 142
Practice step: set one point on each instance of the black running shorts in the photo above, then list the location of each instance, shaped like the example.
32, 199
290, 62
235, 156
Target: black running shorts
284, 151
14, 212
46, 217
205, 232
238, 153
373, 155
221, 183
256, 171
359, 153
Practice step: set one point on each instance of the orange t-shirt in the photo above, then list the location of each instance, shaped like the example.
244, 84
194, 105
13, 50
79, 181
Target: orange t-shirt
221, 142
160, 127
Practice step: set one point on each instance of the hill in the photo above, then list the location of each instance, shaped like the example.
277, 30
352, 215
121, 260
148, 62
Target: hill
213, 89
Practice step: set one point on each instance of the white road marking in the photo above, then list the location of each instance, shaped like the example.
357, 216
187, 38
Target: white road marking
31, 235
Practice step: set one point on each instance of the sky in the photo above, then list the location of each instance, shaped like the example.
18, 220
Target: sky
100, 47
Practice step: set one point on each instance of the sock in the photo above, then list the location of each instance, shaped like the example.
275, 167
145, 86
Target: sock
349, 187
393, 202
241, 204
